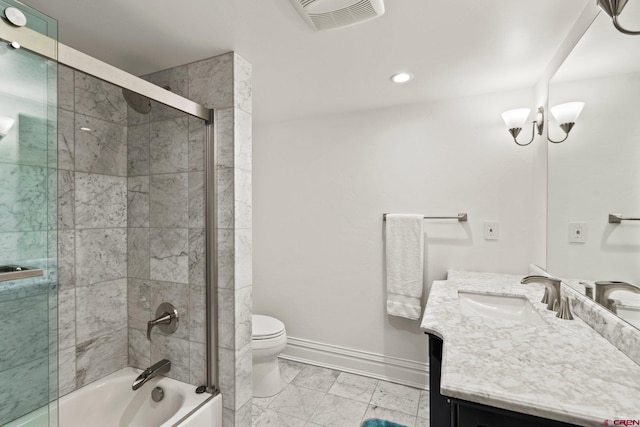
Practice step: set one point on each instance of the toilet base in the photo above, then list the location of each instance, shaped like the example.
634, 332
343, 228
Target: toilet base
266, 378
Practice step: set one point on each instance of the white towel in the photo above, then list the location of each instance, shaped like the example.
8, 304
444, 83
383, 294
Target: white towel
405, 263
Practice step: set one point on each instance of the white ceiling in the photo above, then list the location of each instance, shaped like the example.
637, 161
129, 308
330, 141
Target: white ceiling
603, 50
454, 48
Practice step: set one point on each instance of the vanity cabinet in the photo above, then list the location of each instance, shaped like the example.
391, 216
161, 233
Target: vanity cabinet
450, 412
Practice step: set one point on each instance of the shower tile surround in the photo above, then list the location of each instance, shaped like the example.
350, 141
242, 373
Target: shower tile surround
92, 223
131, 221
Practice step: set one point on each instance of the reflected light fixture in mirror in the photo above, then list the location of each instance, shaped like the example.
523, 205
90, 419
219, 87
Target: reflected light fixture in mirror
515, 120
5, 124
566, 115
614, 8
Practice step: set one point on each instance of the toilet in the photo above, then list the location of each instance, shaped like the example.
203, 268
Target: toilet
268, 340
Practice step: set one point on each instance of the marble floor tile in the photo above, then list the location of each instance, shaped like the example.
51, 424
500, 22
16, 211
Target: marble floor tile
390, 415
423, 406
348, 401
266, 417
396, 397
298, 402
354, 387
316, 378
264, 402
336, 411
288, 370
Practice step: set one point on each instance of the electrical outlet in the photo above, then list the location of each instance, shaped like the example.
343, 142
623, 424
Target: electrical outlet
491, 230
577, 232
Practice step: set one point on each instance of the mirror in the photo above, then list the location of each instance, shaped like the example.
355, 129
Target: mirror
596, 171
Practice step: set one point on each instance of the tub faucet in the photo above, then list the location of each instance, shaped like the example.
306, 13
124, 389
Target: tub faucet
604, 289
552, 290
162, 367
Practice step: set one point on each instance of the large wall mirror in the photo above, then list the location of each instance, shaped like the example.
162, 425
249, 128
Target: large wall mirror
596, 171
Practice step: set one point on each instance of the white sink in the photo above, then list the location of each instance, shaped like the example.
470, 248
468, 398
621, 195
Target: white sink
629, 313
499, 307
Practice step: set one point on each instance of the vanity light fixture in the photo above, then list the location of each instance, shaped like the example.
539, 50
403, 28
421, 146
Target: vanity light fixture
515, 120
402, 77
5, 125
566, 115
614, 9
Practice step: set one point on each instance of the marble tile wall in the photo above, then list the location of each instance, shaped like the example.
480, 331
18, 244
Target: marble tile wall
224, 83
131, 219
92, 224
165, 218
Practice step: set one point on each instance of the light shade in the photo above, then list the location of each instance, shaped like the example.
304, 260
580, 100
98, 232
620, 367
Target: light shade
516, 118
568, 112
5, 125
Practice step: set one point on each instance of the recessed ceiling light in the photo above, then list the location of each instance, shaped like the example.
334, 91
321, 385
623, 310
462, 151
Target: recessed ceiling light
401, 77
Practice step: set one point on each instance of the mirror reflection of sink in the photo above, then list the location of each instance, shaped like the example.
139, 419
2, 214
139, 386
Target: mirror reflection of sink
499, 307
629, 313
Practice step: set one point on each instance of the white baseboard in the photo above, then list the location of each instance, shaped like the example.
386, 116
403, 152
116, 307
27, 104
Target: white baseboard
394, 369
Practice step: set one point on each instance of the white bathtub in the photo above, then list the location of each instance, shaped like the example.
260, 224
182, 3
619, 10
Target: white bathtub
110, 402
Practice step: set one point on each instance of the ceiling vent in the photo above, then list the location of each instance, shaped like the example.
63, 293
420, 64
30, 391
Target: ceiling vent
330, 14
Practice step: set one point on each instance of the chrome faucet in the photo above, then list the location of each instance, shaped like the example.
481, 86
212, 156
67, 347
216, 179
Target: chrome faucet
552, 290
552, 296
604, 289
588, 289
160, 368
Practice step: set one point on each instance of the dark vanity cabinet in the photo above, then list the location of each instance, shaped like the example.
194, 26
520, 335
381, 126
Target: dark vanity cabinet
450, 412
439, 406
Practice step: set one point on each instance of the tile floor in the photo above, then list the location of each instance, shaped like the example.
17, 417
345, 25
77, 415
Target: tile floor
312, 396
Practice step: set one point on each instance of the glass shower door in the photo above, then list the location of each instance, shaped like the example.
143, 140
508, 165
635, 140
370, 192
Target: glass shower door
28, 237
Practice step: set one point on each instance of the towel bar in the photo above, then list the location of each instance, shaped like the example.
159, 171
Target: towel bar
617, 218
460, 217
15, 272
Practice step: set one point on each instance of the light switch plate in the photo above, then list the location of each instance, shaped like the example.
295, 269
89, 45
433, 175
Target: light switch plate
577, 232
491, 230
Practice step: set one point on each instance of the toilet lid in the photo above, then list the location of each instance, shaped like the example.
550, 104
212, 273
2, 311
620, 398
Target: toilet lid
265, 327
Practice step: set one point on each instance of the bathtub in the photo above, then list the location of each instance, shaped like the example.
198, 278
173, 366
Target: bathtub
110, 402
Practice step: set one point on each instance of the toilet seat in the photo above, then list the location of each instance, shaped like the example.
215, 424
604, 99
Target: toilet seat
265, 328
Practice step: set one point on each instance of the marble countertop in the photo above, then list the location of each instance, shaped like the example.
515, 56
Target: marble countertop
563, 370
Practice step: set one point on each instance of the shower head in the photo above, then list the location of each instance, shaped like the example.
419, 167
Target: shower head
138, 102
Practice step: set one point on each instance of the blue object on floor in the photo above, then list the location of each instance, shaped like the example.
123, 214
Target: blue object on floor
375, 422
